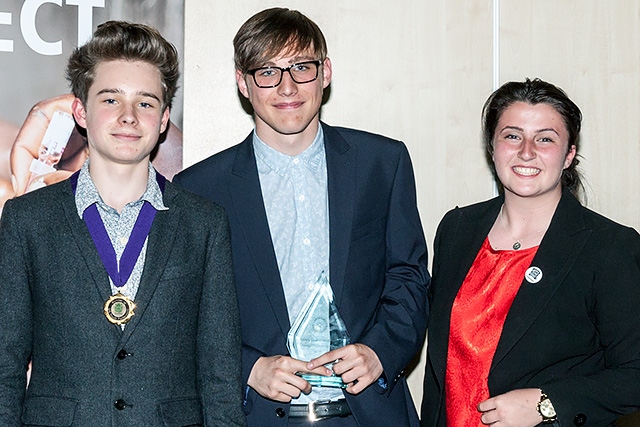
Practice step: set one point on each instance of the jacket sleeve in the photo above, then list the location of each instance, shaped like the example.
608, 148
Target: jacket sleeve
219, 339
600, 397
401, 317
16, 329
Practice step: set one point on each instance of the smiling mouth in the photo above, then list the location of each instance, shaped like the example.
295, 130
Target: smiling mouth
288, 105
520, 170
126, 136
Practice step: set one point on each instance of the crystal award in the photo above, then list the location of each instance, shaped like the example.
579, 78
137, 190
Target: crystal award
317, 330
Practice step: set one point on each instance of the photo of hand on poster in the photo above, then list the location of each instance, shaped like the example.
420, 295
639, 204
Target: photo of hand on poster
36, 161
36, 39
8, 132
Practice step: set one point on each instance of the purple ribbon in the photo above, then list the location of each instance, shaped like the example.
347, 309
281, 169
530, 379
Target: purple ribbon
132, 250
103, 244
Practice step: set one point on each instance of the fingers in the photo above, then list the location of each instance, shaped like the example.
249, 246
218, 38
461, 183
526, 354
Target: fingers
487, 405
6, 193
516, 408
488, 410
275, 378
25, 148
357, 364
333, 357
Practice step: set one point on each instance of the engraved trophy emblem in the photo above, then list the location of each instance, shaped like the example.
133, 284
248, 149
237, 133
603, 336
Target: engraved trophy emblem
317, 330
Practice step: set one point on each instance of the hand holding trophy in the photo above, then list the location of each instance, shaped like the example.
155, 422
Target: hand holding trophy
318, 329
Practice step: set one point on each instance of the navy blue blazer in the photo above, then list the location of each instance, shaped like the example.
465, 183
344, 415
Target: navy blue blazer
575, 334
378, 263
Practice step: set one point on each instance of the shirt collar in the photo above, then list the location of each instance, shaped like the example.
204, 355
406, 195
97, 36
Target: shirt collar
87, 193
279, 162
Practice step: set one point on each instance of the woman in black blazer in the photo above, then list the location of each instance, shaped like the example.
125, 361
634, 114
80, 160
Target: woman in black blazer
535, 298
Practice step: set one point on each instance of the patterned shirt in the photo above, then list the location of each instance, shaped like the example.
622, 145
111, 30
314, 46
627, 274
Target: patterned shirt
119, 225
294, 191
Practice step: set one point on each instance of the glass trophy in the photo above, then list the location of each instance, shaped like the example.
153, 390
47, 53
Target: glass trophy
317, 330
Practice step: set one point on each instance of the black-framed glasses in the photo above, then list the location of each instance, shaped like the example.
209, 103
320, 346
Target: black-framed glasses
302, 72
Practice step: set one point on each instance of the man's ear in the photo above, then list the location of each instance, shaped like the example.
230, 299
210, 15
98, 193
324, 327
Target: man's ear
79, 113
165, 119
242, 83
327, 72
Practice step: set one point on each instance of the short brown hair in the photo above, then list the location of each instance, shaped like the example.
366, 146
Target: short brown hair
273, 31
120, 40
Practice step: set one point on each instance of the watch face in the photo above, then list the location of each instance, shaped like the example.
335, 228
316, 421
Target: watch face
546, 409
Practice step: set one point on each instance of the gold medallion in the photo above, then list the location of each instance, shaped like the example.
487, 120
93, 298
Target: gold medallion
118, 309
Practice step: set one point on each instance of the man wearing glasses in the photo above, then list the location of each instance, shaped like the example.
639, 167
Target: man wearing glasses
316, 207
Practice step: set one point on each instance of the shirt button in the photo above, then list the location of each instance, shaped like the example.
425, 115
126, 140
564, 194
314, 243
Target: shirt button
310, 286
301, 198
306, 241
296, 161
123, 240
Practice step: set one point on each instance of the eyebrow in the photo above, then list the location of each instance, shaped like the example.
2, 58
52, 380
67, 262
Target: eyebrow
294, 60
537, 131
119, 91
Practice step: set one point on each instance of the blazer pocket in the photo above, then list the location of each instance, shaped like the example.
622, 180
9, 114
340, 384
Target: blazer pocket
364, 230
181, 412
48, 411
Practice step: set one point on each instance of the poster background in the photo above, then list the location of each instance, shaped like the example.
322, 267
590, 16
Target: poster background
27, 75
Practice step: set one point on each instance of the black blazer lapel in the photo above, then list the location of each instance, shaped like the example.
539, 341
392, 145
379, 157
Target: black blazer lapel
464, 238
556, 255
245, 190
341, 181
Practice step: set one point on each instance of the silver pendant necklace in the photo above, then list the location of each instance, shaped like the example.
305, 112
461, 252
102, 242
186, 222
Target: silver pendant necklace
518, 242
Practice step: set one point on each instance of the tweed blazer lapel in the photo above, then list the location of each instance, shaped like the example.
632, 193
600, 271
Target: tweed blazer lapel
160, 241
80, 234
558, 252
245, 190
341, 182
159, 244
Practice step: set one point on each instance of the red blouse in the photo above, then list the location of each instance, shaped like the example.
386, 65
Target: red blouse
477, 318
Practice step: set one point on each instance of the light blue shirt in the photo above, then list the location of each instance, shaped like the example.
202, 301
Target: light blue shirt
294, 191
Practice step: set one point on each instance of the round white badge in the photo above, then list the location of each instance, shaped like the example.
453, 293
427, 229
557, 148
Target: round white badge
533, 275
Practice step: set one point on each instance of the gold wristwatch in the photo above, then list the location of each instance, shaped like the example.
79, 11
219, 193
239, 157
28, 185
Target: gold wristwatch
546, 409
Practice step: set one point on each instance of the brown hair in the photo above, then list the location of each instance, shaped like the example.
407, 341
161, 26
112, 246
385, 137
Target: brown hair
119, 40
274, 31
534, 92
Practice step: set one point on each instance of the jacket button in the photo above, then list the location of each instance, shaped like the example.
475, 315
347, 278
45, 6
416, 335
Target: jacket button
280, 413
580, 419
120, 404
122, 354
